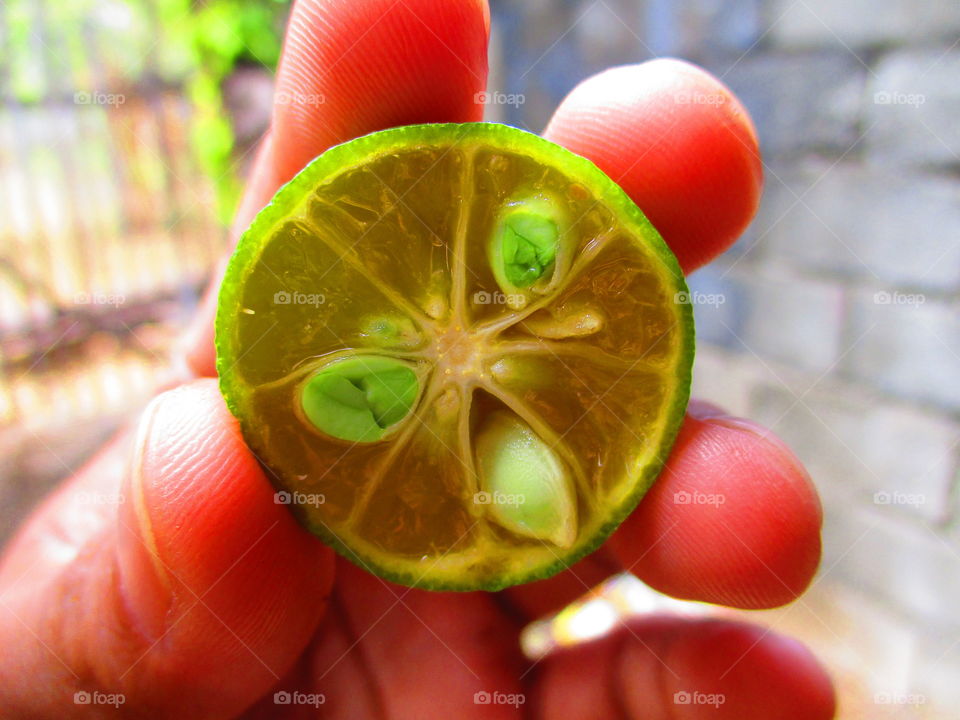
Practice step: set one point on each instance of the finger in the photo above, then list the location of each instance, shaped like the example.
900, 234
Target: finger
671, 669
545, 597
186, 589
678, 142
349, 69
373, 65
733, 518
386, 650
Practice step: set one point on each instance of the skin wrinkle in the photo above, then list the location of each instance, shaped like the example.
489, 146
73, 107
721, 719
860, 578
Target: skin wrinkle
591, 665
363, 664
93, 595
654, 647
190, 450
780, 447
719, 587
613, 684
258, 617
509, 608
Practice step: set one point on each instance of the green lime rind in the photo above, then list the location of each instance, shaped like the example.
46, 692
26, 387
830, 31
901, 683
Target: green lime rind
631, 219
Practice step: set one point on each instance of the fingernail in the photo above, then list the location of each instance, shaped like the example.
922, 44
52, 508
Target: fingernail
738, 423
708, 412
703, 410
145, 581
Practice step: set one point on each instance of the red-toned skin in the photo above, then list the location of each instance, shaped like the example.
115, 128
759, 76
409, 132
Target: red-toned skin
198, 597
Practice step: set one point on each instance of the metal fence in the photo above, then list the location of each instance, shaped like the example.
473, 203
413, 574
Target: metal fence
105, 228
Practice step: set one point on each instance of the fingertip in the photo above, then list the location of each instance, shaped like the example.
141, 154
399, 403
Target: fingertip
208, 560
352, 68
679, 143
168, 562
740, 671
727, 669
348, 69
204, 496
733, 519
662, 666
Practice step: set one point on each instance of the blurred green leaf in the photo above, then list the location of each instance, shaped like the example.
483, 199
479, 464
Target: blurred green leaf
196, 43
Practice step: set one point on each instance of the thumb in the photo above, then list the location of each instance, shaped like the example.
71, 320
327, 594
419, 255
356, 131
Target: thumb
347, 69
171, 582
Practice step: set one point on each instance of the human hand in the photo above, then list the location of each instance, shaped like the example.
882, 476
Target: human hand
186, 591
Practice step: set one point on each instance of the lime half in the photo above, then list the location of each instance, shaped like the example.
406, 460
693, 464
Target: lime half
460, 351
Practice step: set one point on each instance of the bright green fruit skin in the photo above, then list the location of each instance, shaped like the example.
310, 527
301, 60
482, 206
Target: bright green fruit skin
630, 218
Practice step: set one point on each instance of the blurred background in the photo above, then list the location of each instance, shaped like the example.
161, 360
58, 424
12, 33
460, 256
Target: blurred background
126, 127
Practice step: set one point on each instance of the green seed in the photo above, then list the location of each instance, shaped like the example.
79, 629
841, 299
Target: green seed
524, 243
529, 247
525, 484
565, 322
359, 398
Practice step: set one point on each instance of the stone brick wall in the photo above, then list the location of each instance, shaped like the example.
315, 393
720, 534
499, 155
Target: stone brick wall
835, 318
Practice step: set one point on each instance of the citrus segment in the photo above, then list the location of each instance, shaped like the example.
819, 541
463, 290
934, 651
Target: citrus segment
395, 218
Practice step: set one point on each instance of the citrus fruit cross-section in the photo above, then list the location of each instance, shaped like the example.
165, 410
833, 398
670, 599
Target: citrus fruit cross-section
460, 351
